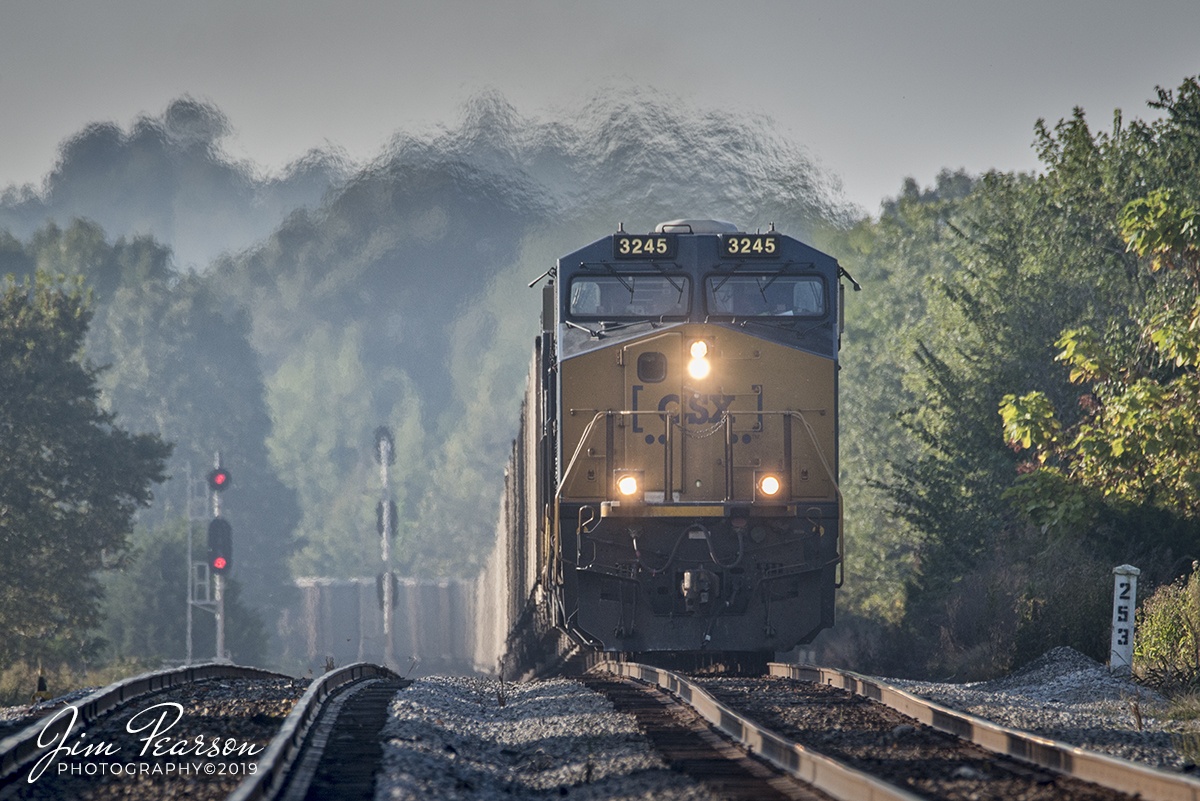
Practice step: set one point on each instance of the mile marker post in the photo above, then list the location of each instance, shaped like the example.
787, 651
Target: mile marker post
1120, 657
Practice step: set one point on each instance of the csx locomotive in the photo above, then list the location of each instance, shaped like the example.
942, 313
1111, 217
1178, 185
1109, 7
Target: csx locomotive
674, 485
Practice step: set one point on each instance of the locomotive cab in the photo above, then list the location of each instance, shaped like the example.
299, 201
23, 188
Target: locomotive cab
688, 446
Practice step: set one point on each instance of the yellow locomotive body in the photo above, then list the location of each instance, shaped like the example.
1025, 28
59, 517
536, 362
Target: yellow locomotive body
675, 482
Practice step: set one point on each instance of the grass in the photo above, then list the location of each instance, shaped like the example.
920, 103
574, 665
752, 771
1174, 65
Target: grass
19, 681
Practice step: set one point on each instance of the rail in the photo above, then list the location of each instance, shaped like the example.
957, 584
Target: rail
277, 761
827, 775
18, 750
1117, 774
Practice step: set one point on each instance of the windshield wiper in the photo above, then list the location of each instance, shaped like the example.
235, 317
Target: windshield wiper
620, 278
591, 333
678, 287
613, 325
776, 323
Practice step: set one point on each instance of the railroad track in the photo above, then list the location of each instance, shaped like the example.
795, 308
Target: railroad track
328, 748
802, 733
211, 731
104, 745
687, 743
932, 752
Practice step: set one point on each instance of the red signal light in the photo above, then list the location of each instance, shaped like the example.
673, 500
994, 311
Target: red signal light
219, 479
220, 544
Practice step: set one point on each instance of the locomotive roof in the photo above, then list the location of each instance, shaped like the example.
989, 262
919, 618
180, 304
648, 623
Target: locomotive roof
696, 227
678, 243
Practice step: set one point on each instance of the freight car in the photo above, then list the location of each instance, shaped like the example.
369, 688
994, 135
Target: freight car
673, 488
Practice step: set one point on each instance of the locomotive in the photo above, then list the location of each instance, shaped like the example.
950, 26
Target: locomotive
673, 488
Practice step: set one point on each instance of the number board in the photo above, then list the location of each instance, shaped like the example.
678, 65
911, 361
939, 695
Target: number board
643, 246
751, 246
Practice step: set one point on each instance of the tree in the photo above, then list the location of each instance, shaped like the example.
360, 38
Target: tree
977, 287
70, 478
180, 364
1140, 439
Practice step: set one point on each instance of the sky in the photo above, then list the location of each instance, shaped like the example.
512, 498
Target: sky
876, 90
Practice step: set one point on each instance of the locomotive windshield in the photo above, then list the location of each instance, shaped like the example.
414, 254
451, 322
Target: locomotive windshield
625, 295
766, 295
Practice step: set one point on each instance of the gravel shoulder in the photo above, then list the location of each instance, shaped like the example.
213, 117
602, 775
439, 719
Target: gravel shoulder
450, 738
1067, 696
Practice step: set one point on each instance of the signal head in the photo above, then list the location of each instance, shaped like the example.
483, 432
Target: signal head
220, 544
219, 479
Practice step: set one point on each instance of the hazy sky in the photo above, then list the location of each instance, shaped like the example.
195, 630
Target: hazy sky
876, 89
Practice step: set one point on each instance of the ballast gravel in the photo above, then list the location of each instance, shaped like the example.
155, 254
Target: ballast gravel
1067, 696
452, 738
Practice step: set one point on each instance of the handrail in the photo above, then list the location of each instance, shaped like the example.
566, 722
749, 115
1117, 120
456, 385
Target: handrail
838, 490
725, 421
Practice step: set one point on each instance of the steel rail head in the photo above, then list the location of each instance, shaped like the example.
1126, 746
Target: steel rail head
817, 770
18, 750
1108, 771
275, 765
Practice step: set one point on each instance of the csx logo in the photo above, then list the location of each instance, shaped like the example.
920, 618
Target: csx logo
701, 408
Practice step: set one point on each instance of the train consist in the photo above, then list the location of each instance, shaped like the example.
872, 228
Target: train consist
673, 487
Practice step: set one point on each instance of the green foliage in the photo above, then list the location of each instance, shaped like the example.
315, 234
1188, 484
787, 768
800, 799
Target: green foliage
1029, 421
1166, 646
70, 478
1048, 500
896, 259
980, 284
1159, 227
1140, 439
180, 364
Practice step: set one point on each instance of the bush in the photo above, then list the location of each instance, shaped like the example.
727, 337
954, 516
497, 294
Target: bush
1166, 646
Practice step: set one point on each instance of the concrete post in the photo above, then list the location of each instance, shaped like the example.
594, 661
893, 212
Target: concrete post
1120, 658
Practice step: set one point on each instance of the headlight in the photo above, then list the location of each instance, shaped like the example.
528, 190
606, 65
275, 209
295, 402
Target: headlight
698, 367
768, 487
629, 486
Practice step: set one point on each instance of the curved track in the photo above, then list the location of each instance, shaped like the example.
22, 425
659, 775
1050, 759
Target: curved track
332, 731
32, 760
